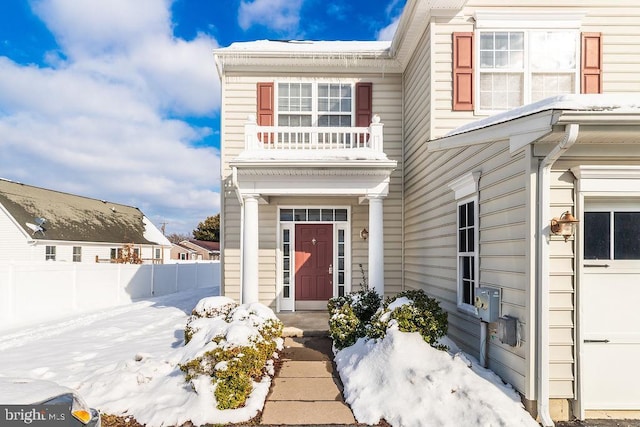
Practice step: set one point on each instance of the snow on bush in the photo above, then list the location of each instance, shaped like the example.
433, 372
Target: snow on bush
349, 316
411, 311
232, 346
360, 315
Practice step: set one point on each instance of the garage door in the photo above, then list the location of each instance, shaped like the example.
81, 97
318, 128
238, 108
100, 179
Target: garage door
610, 297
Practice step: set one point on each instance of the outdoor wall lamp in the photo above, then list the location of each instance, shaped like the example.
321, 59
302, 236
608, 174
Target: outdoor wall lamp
364, 233
564, 226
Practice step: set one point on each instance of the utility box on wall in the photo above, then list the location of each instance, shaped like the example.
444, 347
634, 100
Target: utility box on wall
487, 303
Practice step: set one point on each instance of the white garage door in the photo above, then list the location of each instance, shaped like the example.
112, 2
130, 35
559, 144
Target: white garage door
611, 307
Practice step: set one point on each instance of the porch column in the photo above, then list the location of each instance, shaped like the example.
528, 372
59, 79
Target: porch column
376, 245
250, 250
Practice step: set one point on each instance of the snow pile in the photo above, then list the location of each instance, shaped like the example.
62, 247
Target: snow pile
153, 389
405, 381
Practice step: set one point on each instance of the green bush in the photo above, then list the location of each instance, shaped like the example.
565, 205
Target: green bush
349, 316
231, 392
420, 314
360, 314
233, 367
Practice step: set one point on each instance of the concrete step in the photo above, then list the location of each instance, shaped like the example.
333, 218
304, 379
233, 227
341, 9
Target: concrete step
306, 390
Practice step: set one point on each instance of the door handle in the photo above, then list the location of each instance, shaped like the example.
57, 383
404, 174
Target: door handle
330, 268
597, 265
604, 341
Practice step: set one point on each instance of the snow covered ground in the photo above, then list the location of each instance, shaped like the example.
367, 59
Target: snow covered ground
124, 360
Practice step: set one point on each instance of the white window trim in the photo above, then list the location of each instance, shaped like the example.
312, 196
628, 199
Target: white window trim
531, 19
468, 308
314, 113
465, 185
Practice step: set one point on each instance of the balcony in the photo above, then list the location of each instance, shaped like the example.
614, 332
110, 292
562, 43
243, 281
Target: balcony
313, 139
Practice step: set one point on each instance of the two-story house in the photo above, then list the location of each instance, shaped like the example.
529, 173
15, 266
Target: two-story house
483, 155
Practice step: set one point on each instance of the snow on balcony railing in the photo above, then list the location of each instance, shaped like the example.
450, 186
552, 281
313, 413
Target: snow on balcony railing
312, 137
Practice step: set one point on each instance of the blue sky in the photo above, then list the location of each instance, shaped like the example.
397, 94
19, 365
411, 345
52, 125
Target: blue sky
119, 99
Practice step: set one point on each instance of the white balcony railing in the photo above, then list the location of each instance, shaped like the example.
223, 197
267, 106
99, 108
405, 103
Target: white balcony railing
312, 137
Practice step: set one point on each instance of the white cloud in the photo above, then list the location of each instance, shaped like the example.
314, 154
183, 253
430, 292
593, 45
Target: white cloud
279, 15
387, 32
108, 118
393, 9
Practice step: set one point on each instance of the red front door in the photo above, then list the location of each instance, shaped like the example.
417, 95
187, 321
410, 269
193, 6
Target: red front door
314, 258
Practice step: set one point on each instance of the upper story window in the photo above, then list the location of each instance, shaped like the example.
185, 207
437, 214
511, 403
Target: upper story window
315, 104
513, 59
521, 67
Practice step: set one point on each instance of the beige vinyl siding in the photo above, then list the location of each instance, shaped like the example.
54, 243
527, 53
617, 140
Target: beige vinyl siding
616, 20
562, 293
238, 102
430, 243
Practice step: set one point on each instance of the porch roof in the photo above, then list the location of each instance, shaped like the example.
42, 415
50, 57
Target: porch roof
604, 118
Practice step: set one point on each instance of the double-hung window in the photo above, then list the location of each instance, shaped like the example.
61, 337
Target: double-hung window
467, 233
315, 104
518, 67
77, 254
467, 253
50, 253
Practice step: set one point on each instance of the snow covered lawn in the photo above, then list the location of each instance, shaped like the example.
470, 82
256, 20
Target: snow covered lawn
124, 360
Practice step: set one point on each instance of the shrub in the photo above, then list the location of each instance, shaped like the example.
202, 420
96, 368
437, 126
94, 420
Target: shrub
349, 316
411, 311
207, 308
231, 392
237, 356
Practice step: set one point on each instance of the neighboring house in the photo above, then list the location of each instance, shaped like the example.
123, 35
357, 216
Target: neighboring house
37, 224
179, 252
193, 249
456, 195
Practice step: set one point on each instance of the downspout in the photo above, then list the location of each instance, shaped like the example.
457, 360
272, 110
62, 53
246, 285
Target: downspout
544, 203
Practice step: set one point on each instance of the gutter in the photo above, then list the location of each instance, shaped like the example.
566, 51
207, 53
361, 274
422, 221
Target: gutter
542, 315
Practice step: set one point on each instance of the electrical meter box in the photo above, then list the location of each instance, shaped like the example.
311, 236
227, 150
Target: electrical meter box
487, 303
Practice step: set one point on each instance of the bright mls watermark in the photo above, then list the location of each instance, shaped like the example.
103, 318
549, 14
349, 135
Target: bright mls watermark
35, 415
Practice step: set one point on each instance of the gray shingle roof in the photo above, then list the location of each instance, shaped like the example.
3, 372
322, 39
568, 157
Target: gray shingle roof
70, 217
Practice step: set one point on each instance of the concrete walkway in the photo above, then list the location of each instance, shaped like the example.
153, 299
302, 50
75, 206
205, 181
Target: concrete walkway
307, 389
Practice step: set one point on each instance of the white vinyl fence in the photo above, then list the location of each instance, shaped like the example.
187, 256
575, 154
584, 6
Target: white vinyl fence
33, 293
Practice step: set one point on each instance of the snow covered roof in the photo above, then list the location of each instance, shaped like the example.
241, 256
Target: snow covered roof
288, 47
620, 103
53, 215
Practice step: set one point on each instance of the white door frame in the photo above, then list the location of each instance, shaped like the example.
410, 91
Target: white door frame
339, 227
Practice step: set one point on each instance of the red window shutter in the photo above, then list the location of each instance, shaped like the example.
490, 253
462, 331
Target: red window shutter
265, 104
462, 72
363, 104
591, 63
265, 109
